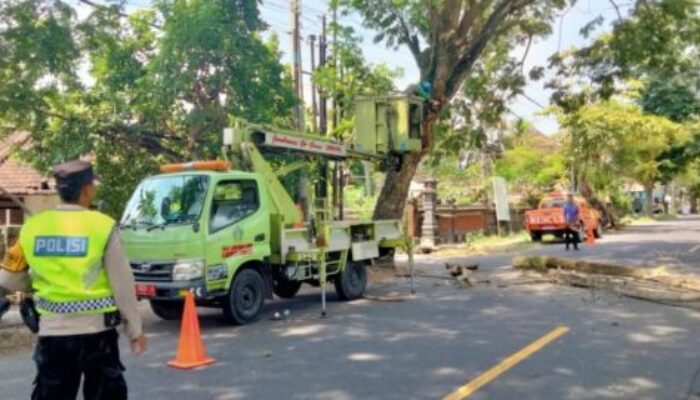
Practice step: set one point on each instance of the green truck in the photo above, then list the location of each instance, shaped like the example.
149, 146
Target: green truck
229, 232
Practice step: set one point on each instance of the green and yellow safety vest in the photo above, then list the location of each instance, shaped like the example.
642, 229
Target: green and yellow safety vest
65, 252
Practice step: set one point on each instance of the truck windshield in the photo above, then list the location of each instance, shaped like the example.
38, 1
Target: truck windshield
166, 200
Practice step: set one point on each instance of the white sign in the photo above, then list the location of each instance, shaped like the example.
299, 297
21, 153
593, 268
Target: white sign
500, 193
305, 144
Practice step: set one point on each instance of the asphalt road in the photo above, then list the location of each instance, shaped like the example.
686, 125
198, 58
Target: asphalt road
427, 346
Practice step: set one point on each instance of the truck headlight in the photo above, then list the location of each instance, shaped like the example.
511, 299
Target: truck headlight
188, 270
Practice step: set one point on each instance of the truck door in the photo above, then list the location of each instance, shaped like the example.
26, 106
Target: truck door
238, 229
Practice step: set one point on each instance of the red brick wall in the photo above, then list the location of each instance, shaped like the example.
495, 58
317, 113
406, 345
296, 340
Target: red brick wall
454, 223
461, 222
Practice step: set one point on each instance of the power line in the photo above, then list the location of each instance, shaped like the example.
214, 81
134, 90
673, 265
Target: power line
309, 22
533, 101
304, 6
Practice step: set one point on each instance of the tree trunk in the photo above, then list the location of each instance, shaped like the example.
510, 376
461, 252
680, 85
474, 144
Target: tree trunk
392, 199
693, 202
649, 193
607, 213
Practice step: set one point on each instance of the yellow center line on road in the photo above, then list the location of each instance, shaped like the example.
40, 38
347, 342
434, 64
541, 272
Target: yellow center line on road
471, 387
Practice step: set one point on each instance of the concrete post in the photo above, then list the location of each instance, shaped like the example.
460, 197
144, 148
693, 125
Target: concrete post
429, 195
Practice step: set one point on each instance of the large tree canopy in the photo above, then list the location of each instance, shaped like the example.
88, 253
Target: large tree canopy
659, 40
134, 90
651, 52
447, 39
613, 140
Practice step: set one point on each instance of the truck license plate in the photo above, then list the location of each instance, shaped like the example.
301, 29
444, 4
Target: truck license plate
145, 290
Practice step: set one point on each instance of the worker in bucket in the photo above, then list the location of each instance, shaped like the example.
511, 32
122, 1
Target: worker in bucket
572, 214
83, 288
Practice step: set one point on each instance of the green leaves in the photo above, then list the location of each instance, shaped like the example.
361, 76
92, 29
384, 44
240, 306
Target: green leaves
532, 163
659, 39
673, 99
613, 140
135, 90
351, 77
657, 46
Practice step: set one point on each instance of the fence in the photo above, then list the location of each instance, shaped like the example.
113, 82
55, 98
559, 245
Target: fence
455, 223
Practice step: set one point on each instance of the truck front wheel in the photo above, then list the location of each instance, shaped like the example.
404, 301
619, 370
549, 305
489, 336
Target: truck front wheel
285, 289
169, 310
245, 298
351, 283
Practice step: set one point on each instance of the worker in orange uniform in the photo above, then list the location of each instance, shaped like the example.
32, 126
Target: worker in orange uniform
83, 288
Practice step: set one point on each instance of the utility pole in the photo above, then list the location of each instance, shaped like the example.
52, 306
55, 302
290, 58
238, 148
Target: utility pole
336, 64
322, 188
323, 115
338, 173
314, 106
303, 184
573, 166
298, 85
337, 166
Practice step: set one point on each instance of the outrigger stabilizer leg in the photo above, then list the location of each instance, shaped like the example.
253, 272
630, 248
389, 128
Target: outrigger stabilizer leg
322, 280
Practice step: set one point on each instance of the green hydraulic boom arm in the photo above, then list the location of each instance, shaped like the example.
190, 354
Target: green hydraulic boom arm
244, 141
387, 128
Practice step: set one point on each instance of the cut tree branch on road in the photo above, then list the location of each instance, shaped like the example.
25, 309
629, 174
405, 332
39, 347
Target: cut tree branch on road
645, 283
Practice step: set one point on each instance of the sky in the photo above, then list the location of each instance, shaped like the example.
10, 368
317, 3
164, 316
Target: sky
566, 34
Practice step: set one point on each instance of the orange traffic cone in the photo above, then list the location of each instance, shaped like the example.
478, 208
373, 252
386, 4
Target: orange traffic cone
190, 349
590, 236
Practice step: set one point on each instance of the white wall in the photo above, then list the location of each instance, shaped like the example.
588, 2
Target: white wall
37, 203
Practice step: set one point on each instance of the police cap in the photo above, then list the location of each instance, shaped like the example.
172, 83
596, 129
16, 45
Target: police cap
73, 173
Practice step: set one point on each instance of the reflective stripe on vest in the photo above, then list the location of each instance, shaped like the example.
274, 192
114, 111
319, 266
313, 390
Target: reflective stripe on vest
70, 307
65, 251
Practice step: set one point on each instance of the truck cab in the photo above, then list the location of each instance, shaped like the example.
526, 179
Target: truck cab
192, 231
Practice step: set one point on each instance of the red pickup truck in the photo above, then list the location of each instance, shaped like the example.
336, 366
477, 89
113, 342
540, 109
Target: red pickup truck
548, 218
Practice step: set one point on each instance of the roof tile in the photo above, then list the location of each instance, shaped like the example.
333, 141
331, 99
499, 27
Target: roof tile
17, 177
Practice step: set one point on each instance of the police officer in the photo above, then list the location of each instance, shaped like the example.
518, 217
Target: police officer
83, 288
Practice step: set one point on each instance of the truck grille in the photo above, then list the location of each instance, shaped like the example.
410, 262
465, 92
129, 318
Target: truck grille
152, 271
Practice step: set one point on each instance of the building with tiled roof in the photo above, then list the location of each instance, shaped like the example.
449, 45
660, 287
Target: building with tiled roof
19, 180
17, 177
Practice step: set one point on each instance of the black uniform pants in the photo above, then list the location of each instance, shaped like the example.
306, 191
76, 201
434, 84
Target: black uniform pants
571, 237
63, 360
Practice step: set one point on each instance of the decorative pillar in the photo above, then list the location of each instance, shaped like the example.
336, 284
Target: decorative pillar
429, 195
